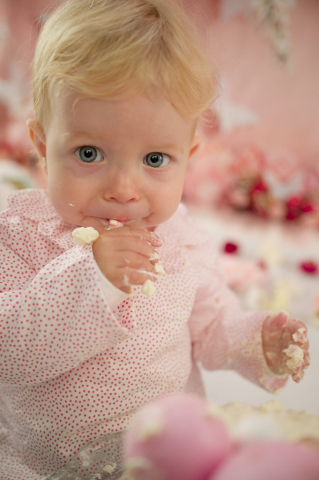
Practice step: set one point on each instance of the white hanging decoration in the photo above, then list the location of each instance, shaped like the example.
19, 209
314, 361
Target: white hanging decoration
274, 15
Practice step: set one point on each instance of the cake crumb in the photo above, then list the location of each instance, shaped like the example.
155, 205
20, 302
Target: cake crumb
150, 430
148, 288
292, 425
154, 256
272, 406
116, 223
84, 235
295, 355
109, 468
138, 463
300, 335
159, 268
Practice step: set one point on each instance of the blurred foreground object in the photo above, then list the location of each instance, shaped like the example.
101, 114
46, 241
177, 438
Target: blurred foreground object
184, 436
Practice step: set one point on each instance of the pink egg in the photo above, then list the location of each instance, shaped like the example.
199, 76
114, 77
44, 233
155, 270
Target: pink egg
271, 461
176, 438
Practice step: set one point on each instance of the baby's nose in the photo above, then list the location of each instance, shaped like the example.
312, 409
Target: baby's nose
122, 188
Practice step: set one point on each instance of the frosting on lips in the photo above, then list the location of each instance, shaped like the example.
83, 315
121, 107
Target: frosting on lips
116, 223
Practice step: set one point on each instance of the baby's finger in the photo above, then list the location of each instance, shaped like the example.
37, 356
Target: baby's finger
280, 320
299, 370
297, 360
132, 276
306, 359
273, 359
113, 226
274, 327
299, 333
126, 244
297, 377
141, 233
137, 261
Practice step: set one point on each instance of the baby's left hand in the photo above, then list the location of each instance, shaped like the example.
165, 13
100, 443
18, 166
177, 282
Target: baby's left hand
286, 345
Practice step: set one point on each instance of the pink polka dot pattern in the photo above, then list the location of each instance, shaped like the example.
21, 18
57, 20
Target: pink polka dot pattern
73, 370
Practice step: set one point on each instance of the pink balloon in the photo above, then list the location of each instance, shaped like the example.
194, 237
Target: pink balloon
178, 440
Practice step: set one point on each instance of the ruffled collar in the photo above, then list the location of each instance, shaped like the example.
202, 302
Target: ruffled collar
33, 204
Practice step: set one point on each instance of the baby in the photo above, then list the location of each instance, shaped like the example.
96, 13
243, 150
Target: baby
118, 87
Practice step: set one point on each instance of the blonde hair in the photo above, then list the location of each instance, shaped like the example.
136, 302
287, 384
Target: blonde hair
110, 48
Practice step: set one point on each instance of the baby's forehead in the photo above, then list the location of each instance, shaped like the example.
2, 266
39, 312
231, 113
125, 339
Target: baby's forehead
137, 118
78, 106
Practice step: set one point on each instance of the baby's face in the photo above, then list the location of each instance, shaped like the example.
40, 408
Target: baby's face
123, 160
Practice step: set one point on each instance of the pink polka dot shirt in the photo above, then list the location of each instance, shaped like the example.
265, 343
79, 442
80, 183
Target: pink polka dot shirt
78, 357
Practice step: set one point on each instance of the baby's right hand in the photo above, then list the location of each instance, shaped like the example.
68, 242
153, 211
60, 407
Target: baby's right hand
126, 256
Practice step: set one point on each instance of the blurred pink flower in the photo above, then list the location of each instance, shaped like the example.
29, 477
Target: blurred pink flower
276, 210
311, 219
249, 161
238, 198
298, 205
241, 274
284, 165
207, 173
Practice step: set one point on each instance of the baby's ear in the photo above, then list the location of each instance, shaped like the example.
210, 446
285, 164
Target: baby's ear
194, 145
37, 136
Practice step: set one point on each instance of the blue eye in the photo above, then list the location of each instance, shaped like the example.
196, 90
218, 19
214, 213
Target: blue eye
89, 154
156, 159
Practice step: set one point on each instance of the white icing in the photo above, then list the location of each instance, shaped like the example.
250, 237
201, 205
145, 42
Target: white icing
142, 270
148, 288
111, 224
293, 425
296, 356
154, 256
159, 268
138, 463
213, 410
84, 235
257, 427
150, 430
300, 335
109, 468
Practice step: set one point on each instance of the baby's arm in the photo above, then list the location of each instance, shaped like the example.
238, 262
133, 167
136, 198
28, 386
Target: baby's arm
225, 336
285, 345
54, 319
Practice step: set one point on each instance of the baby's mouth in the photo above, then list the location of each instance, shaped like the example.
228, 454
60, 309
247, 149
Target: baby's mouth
117, 222
128, 222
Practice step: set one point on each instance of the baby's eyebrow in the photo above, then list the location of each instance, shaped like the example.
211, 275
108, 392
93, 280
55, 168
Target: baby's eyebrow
158, 147
168, 147
66, 137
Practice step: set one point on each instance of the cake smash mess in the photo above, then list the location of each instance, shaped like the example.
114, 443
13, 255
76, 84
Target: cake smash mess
97, 322
86, 235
